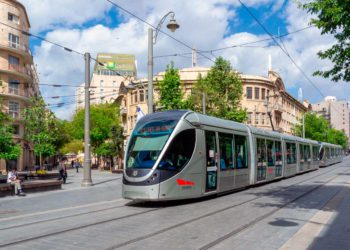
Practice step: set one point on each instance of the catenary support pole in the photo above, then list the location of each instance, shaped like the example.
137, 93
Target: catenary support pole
150, 71
87, 155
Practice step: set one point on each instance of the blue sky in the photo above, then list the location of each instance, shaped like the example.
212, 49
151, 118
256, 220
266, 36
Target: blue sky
97, 26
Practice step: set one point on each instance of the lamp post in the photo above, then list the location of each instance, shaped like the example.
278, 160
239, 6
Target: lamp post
172, 25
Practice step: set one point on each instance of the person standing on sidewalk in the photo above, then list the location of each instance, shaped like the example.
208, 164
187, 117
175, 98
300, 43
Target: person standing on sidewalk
63, 171
13, 179
77, 165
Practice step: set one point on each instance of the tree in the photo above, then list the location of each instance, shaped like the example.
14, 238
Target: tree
41, 128
106, 134
333, 18
223, 92
318, 128
8, 149
74, 146
171, 96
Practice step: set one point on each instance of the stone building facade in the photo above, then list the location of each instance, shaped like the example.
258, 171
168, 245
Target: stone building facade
263, 97
18, 77
336, 112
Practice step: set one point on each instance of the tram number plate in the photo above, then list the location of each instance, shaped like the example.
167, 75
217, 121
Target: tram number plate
210, 169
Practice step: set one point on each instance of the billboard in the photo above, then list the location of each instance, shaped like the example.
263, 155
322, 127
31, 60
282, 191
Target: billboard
120, 62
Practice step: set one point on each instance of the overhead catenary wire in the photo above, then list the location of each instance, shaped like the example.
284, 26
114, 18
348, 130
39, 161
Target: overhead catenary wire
149, 24
284, 51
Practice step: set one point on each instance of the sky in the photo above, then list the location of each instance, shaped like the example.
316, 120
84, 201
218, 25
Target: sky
98, 26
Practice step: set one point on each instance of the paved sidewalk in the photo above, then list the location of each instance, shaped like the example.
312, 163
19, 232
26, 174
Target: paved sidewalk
107, 186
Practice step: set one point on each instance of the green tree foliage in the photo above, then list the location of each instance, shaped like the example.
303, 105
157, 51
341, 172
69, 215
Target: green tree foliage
41, 128
8, 149
317, 128
332, 17
170, 93
73, 146
223, 92
106, 134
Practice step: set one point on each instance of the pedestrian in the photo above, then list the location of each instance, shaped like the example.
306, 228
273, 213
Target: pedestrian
72, 163
13, 179
63, 171
76, 165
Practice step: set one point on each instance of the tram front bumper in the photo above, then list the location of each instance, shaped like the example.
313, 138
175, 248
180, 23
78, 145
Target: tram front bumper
144, 193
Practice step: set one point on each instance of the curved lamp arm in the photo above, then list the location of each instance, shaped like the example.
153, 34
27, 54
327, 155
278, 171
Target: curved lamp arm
160, 24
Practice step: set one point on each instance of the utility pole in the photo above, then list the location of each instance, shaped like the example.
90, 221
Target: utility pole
303, 125
150, 71
87, 155
203, 102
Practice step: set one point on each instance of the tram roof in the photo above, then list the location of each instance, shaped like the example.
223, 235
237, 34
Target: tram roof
200, 119
330, 145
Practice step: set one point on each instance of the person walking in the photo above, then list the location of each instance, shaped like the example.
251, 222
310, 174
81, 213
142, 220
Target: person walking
72, 163
77, 165
63, 171
13, 179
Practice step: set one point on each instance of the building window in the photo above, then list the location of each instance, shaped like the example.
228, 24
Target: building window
249, 93
14, 109
262, 118
101, 83
256, 118
249, 116
257, 90
13, 87
15, 130
114, 83
136, 95
142, 96
13, 41
267, 94
13, 60
13, 18
262, 94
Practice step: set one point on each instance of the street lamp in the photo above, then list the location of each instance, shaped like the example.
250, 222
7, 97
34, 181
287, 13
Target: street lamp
172, 25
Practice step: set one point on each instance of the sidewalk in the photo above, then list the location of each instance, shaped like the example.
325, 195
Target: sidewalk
107, 186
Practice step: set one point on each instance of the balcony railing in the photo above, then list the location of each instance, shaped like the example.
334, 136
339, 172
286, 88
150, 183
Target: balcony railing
19, 69
18, 46
14, 114
123, 110
15, 91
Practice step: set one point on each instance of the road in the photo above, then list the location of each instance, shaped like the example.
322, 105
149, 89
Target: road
306, 211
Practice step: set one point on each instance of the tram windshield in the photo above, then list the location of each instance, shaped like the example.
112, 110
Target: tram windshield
149, 137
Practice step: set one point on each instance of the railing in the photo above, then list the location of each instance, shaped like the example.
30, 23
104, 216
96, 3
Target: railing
14, 114
18, 46
123, 110
15, 91
19, 69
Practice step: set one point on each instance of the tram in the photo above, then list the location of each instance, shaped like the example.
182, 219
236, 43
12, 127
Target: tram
182, 154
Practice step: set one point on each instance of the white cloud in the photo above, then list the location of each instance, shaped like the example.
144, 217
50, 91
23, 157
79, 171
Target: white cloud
50, 14
203, 25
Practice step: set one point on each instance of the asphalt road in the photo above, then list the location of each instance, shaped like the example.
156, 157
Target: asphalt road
309, 211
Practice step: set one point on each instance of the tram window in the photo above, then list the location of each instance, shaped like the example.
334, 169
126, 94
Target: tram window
291, 153
301, 152
210, 144
278, 151
315, 155
241, 151
179, 152
332, 151
226, 151
270, 152
261, 151
321, 153
306, 152
327, 153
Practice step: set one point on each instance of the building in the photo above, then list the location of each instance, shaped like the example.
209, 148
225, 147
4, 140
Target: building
265, 98
336, 112
18, 77
109, 71
269, 105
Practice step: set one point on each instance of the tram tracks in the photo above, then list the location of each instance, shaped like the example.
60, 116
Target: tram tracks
164, 230
71, 229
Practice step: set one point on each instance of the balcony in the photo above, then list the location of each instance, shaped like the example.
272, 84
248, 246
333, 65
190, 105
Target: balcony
19, 71
15, 92
18, 48
14, 114
123, 110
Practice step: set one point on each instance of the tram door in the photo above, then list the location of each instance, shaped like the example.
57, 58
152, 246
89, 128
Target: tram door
211, 161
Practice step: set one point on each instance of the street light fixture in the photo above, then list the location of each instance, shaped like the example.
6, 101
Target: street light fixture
172, 25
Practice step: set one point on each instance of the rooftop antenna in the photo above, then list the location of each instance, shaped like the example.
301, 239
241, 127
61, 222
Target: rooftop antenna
300, 95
